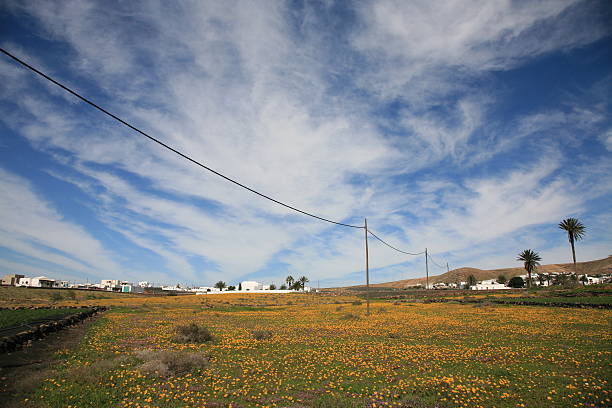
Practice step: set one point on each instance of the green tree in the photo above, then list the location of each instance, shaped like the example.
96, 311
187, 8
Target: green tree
303, 281
231, 287
272, 287
240, 286
220, 285
531, 260
575, 231
289, 281
471, 281
516, 282
502, 279
283, 287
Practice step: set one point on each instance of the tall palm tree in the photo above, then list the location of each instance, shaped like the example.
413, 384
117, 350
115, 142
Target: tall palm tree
303, 280
289, 281
575, 231
532, 260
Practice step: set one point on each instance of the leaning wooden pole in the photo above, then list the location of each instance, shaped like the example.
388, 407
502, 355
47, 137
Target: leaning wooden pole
367, 266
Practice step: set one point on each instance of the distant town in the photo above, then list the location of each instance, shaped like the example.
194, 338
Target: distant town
117, 285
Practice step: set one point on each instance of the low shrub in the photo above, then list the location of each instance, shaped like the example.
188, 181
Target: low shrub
350, 316
357, 303
192, 333
339, 308
169, 363
56, 296
262, 334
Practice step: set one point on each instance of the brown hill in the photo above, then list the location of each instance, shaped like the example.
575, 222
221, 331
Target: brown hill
600, 266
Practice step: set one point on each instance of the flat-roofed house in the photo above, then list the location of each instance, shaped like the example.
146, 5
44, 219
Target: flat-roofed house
11, 279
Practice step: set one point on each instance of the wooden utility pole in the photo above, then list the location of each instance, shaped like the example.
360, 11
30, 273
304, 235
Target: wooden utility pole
367, 269
426, 271
447, 270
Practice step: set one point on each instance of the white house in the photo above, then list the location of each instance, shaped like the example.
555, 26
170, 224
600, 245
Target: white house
206, 289
110, 284
37, 282
145, 284
490, 284
591, 280
251, 285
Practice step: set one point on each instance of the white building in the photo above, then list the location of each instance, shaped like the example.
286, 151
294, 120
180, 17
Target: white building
490, 284
37, 282
251, 285
145, 284
206, 289
176, 288
110, 284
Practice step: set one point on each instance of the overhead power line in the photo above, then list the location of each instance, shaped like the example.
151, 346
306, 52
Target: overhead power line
183, 155
392, 247
434, 262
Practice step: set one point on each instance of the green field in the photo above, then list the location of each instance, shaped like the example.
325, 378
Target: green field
22, 316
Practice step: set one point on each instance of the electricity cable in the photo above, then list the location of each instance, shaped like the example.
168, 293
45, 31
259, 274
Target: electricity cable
392, 247
434, 262
183, 155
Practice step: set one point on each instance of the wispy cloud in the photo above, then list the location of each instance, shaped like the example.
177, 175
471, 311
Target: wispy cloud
383, 114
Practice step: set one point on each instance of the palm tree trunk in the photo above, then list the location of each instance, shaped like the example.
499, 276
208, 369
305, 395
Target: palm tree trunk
574, 256
529, 278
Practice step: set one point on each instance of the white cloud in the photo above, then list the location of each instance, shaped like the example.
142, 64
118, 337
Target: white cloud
234, 86
33, 227
606, 139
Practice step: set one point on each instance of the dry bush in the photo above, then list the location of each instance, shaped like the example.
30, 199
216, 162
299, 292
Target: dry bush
339, 308
192, 333
350, 316
91, 373
382, 310
261, 334
357, 303
167, 363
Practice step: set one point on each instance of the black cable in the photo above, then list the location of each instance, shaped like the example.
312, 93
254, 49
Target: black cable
168, 147
435, 263
391, 246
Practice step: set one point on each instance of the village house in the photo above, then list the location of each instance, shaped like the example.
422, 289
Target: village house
11, 279
252, 285
37, 282
489, 284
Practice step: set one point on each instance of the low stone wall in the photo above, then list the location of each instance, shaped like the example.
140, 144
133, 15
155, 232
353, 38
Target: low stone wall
523, 303
12, 342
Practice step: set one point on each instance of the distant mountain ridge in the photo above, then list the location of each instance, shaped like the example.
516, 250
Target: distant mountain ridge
599, 266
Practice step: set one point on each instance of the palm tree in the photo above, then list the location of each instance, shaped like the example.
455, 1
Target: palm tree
303, 280
289, 280
220, 285
532, 260
575, 232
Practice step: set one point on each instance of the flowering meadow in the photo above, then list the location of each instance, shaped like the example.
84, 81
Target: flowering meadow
323, 351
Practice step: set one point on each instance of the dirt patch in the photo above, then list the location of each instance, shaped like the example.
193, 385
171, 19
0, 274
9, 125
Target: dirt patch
23, 370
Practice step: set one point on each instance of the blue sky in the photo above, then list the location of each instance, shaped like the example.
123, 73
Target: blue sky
468, 127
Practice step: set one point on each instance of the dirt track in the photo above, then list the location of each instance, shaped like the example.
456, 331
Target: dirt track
23, 370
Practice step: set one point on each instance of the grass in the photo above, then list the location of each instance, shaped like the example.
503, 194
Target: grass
19, 296
423, 356
22, 316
